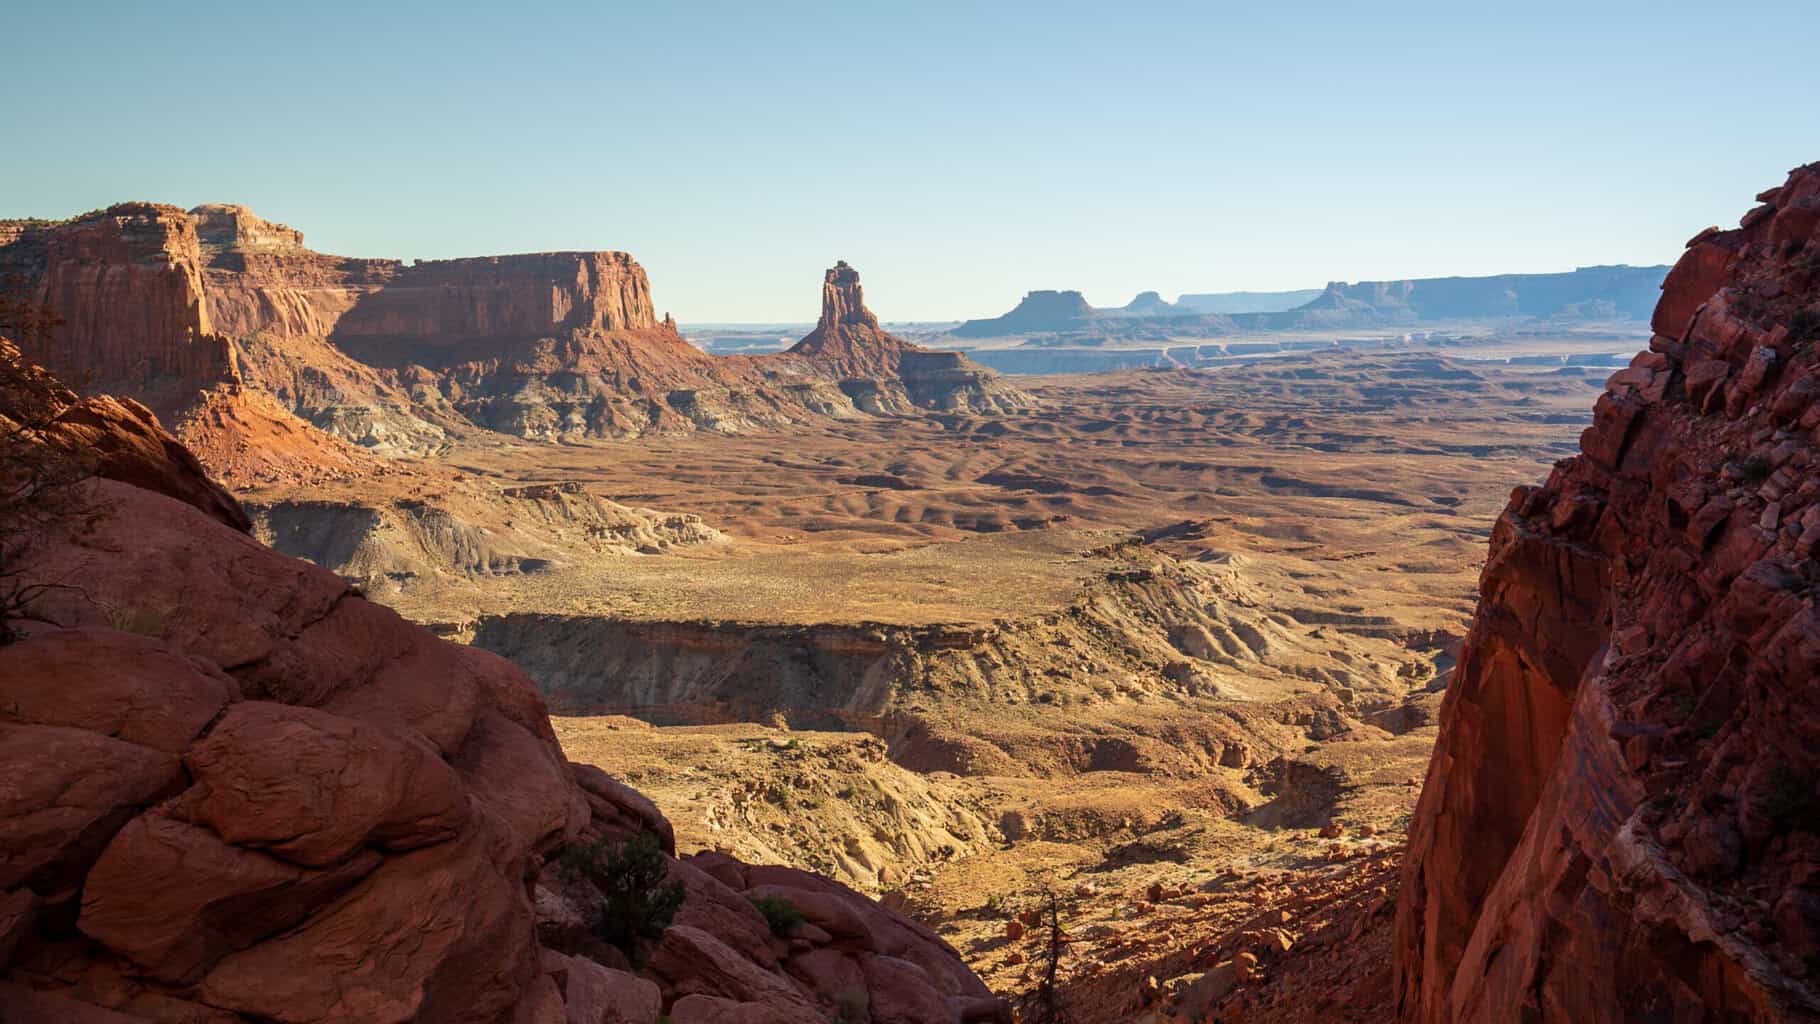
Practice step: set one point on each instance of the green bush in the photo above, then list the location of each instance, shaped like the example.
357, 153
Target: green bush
780, 913
637, 900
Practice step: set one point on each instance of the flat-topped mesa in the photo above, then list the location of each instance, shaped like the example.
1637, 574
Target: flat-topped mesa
441, 306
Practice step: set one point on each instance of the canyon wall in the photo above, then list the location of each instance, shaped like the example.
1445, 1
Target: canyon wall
127, 286
1620, 818
1149, 631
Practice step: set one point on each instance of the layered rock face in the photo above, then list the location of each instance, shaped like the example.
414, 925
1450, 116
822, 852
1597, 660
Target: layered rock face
127, 283
128, 287
227, 225
238, 791
1622, 815
881, 373
177, 309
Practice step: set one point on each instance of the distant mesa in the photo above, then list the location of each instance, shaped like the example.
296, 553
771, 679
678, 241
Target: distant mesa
1039, 311
1588, 293
1246, 302
1607, 292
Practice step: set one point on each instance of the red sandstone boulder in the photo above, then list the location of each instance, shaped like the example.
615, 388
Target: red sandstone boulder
128, 687
311, 787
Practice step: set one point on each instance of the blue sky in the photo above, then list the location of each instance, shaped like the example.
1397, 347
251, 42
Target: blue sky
958, 155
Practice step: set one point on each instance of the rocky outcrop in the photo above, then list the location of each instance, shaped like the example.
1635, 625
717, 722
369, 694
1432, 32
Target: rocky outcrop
883, 374
126, 283
115, 439
238, 791
847, 339
126, 288
1622, 815
227, 226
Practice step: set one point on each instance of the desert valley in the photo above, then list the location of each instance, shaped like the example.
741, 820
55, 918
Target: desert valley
909, 514
1132, 676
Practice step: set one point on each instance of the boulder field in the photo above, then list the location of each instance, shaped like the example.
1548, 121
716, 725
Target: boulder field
232, 789
1621, 819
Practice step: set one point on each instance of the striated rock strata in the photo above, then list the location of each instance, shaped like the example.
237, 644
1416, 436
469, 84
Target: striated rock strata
238, 791
1622, 815
226, 325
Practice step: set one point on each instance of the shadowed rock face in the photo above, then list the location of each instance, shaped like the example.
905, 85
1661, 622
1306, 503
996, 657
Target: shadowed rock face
275, 801
1620, 817
122, 439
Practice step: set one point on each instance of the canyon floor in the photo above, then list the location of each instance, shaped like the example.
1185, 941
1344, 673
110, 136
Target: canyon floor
1168, 647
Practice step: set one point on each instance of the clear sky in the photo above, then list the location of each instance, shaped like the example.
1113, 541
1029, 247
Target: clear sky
958, 155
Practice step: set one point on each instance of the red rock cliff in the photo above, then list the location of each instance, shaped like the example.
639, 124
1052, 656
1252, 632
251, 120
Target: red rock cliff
434, 311
127, 283
1620, 818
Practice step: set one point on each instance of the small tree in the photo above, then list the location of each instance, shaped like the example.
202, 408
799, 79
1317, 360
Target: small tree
636, 901
780, 914
1044, 1005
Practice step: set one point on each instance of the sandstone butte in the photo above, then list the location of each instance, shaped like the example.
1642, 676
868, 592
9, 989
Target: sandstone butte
295, 806
274, 362
1621, 820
